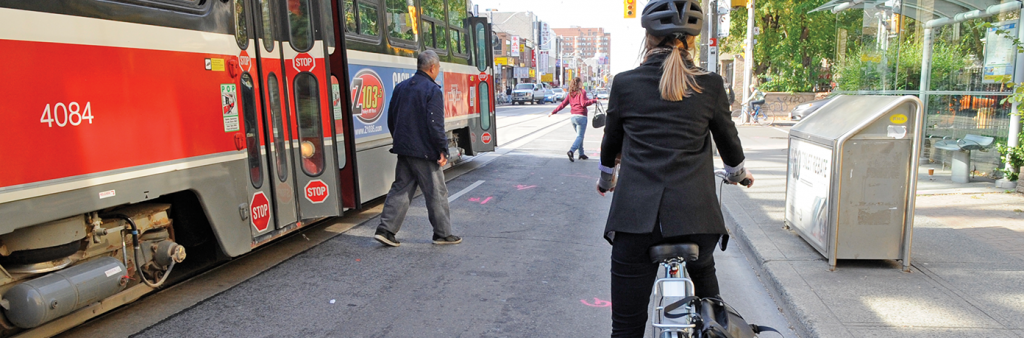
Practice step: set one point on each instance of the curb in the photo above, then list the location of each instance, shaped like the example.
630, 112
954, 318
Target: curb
769, 271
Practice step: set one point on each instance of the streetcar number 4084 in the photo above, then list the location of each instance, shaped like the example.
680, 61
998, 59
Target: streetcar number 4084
62, 114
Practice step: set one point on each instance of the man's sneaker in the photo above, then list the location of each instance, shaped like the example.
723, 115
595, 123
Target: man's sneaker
386, 238
452, 239
584, 157
571, 158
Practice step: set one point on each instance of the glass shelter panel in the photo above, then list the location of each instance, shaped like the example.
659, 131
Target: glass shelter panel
886, 47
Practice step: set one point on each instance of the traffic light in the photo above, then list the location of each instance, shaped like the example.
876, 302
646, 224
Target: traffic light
630, 8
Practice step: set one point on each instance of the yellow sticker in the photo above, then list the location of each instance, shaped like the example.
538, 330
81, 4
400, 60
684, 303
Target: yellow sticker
217, 65
898, 119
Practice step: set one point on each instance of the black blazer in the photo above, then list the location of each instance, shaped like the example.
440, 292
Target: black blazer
667, 171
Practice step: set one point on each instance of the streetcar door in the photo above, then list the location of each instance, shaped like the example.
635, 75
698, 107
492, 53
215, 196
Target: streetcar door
482, 129
308, 90
241, 102
268, 68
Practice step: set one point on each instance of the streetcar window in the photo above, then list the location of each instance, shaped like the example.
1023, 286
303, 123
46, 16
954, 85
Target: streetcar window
457, 41
299, 27
401, 19
441, 36
311, 137
456, 12
428, 34
350, 16
433, 8
252, 139
485, 107
277, 127
268, 26
481, 47
339, 122
241, 33
368, 19
327, 22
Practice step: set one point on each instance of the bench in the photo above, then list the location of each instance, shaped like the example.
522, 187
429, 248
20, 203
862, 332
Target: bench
961, 167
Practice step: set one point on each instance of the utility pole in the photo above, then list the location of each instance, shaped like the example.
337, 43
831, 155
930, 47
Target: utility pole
748, 62
712, 64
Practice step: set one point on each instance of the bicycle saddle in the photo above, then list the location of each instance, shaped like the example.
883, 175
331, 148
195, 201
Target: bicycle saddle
663, 252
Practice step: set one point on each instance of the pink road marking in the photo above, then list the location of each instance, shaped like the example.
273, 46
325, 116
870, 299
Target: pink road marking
485, 201
524, 187
597, 303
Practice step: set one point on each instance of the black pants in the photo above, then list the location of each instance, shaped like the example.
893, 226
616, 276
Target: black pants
633, 276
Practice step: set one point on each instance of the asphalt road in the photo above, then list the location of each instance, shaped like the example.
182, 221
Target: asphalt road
533, 262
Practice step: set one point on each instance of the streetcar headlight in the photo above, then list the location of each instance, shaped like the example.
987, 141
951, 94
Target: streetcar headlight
308, 150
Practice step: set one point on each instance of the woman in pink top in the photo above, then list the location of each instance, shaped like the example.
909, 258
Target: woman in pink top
577, 98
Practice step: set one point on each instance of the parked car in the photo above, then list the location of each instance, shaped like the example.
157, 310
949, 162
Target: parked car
602, 94
806, 109
529, 92
559, 94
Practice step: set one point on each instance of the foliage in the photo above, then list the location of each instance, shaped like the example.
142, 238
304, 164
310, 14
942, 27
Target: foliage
900, 68
1013, 156
789, 51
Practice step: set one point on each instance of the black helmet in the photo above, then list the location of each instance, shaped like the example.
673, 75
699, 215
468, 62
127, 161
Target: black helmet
673, 17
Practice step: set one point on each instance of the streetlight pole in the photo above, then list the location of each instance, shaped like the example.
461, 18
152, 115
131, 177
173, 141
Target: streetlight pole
748, 62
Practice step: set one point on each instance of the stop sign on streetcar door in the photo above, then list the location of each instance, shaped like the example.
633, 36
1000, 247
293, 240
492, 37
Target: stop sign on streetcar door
316, 191
259, 208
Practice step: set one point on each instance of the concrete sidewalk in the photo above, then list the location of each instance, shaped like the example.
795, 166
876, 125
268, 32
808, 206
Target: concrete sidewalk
967, 275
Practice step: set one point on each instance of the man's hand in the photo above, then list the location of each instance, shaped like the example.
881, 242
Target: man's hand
443, 161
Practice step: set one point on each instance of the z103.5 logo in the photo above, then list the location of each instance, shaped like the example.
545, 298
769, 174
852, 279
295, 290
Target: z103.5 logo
368, 91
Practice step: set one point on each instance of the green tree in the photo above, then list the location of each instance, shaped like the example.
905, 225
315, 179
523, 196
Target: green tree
793, 43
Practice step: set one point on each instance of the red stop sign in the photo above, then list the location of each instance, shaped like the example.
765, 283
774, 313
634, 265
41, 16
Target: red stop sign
304, 62
316, 191
259, 208
486, 138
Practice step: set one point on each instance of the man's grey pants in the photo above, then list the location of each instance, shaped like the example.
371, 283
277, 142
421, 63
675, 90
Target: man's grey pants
409, 173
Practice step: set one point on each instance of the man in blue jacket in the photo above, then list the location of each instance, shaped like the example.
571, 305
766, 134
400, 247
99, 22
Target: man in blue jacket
416, 122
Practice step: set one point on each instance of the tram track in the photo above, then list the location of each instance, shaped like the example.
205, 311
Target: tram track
153, 308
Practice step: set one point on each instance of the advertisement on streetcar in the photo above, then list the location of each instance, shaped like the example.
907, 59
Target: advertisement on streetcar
372, 88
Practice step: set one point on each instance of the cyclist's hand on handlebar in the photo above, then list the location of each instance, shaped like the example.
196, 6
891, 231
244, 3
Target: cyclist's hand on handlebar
742, 177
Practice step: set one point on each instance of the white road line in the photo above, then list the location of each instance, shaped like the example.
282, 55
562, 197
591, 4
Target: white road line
780, 129
464, 191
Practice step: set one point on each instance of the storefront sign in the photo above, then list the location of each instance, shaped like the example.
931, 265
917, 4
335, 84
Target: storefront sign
515, 46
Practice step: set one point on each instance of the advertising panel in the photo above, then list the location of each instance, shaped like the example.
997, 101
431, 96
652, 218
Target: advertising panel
373, 87
808, 190
1000, 54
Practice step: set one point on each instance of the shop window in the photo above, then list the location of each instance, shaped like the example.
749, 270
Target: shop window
277, 127
300, 28
311, 137
252, 135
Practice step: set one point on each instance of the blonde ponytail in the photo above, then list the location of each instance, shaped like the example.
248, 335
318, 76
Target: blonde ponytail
677, 78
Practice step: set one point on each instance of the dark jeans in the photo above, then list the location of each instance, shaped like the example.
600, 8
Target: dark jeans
633, 276
755, 103
427, 174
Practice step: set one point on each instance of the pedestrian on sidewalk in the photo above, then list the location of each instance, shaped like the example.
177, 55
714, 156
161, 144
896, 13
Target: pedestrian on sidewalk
416, 122
578, 100
661, 119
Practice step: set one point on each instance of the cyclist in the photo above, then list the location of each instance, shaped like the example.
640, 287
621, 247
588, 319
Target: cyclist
756, 99
661, 119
